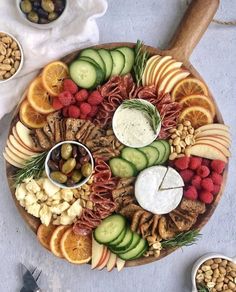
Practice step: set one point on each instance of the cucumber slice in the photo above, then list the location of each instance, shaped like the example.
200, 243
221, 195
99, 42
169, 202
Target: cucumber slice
126, 242
110, 229
139, 249
94, 63
122, 168
129, 59
162, 150
93, 54
167, 152
118, 62
135, 240
107, 59
152, 154
119, 239
141, 253
138, 158
85, 74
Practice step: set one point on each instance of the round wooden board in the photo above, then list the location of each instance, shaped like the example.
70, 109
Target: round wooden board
180, 53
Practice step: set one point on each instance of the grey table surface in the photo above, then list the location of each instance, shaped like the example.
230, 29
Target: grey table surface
152, 21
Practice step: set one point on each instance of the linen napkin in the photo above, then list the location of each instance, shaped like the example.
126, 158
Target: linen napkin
77, 29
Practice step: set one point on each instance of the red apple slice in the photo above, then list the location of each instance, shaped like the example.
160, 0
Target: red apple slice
180, 75
11, 161
148, 69
217, 145
158, 69
24, 134
120, 264
97, 253
213, 132
16, 152
165, 79
14, 157
173, 65
18, 139
111, 262
19, 146
207, 151
104, 253
162, 69
213, 138
105, 261
223, 138
222, 127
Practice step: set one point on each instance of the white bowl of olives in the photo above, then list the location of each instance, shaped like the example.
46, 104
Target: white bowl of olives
69, 164
42, 14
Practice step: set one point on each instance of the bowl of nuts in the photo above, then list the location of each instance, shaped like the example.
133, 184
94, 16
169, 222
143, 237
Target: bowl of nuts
69, 164
11, 57
214, 272
42, 14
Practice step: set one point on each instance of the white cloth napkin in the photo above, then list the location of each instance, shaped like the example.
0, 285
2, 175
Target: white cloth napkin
78, 29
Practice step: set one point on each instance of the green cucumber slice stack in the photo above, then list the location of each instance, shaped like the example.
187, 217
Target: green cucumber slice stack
163, 147
99, 65
117, 235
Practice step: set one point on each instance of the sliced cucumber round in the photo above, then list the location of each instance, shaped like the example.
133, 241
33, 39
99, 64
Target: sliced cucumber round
140, 248
84, 58
93, 54
119, 239
135, 240
107, 59
152, 154
118, 62
110, 229
129, 59
167, 151
126, 242
138, 158
162, 150
122, 168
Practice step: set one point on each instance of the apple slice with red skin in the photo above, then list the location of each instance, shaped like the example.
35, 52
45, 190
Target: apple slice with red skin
168, 70
17, 152
12, 162
97, 253
159, 66
111, 262
120, 264
222, 127
18, 139
207, 151
14, 157
217, 145
213, 132
180, 75
24, 134
19, 146
157, 76
212, 138
223, 138
146, 80
105, 261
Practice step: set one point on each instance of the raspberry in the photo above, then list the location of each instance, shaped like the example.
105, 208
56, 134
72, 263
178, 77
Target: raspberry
206, 197
85, 108
65, 98
216, 178
182, 163
207, 184
56, 104
196, 182
186, 175
69, 85
218, 166
65, 112
74, 111
95, 98
83, 117
191, 193
195, 162
94, 110
206, 162
216, 189
82, 95
203, 171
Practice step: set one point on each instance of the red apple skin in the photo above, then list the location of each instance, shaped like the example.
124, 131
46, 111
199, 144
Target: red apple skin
105, 261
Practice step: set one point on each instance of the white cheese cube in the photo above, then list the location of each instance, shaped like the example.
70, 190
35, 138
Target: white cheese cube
40, 182
65, 219
67, 195
60, 208
75, 210
21, 191
45, 215
28, 179
40, 195
22, 203
32, 186
34, 209
30, 199
49, 188
57, 196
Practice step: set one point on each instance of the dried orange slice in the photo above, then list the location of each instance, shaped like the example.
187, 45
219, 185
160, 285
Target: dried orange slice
44, 234
30, 117
197, 115
56, 239
53, 75
189, 86
39, 97
77, 249
198, 100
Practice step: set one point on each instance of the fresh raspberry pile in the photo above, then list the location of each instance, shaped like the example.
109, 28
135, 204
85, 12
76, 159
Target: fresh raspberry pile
202, 177
77, 103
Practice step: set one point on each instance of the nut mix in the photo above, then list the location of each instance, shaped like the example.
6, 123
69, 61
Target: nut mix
181, 140
218, 275
10, 56
154, 246
69, 164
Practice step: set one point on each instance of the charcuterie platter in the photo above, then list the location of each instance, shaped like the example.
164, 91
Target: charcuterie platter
117, 154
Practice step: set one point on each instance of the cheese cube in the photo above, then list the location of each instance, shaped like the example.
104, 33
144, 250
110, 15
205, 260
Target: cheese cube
21, 191
32, 186
45, 215
57, 196
34, 209
67, 195
49, 188
60, 208
40, 195
40, 182
28, 179
75, 210
30, 199
22, 203
65, 219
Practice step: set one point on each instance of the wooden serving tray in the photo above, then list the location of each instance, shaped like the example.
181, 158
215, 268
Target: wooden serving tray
195, 22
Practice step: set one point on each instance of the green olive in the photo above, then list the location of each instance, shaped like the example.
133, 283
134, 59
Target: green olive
68, 166
33, 17
66, 151
76, 176
58, 177
86, 169
52, 16
26, 6
48, 5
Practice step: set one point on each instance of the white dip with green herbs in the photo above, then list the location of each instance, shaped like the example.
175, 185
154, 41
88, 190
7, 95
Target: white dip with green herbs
133, 128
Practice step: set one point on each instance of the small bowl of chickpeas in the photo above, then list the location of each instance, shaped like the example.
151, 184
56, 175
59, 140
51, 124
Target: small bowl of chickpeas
42, 14
69, 164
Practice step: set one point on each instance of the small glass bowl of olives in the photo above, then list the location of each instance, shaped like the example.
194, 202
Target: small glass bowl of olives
43, 14
69, 164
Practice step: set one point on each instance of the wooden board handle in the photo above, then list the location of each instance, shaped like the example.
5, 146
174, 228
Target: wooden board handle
193, 25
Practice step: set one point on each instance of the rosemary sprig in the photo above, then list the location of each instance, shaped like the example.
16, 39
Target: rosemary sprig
140, 59
182, 239
33, 168
149, 109
202, 288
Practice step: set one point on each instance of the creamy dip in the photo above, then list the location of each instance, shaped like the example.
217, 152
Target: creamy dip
132, 127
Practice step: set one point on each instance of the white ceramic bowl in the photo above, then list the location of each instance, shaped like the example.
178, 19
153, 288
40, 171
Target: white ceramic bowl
201, 260
47, 169
21, 60
38, 25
